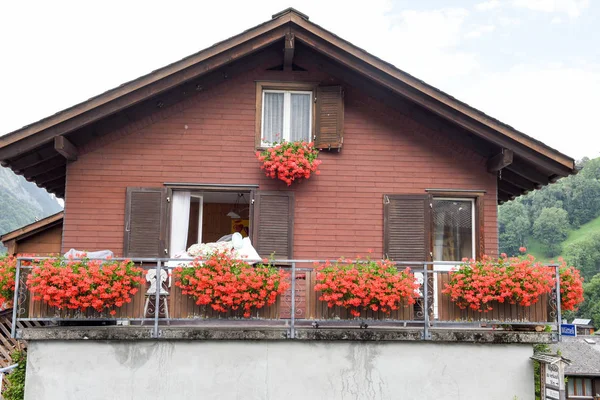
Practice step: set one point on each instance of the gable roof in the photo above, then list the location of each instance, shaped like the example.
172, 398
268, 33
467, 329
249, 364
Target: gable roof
33, 228
39, 151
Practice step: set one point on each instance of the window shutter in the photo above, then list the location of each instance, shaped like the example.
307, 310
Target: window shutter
145, 222
273, 223
406, 225
329, 124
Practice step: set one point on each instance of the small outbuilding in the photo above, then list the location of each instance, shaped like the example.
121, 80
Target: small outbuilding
583, 373
41, 237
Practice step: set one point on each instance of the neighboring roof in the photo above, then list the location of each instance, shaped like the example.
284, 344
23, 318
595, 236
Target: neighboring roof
35, 227
584, 353
581, 321
30, 151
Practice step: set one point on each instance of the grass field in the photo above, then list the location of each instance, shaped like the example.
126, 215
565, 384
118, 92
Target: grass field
535, 248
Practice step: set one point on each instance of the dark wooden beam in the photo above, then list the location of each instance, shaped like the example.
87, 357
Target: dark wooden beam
518, 180
31, 159
4, 164
288, 52
500, 161
56, 184
48, 165
528, 172
509, 188
65, 148
49, 176
554, 178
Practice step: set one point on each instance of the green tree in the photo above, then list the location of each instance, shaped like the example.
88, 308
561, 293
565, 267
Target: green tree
15, 389
591, 305
585, 255
551, 228
513, 227
583, 199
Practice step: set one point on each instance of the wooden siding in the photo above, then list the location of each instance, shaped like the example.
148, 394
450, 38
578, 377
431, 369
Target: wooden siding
41, 243
210, 138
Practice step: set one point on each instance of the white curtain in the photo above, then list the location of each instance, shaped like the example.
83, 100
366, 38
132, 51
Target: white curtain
180, 222
300, 117
273, 117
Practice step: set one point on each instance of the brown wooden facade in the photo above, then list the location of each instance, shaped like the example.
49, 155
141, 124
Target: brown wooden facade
390, 143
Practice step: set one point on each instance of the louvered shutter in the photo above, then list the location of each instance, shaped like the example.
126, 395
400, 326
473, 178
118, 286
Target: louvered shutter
273, 224
406, 225
145, 222
329, 119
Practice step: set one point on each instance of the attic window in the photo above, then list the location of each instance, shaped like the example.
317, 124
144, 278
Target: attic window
287, 115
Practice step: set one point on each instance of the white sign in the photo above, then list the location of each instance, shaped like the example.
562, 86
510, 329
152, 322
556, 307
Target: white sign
552, 375
552, 394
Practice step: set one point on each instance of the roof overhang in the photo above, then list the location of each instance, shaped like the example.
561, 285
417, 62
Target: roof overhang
40, 151
33, 228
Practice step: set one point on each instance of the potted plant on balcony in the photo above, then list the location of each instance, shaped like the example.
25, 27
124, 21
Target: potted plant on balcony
225, 283
478, 285
290, 161
84, 284
365, 284
8, 269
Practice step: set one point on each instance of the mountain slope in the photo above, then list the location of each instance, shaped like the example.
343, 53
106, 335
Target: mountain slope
22, 202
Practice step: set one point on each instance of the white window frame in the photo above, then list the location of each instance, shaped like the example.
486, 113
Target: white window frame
446, 267
287, 110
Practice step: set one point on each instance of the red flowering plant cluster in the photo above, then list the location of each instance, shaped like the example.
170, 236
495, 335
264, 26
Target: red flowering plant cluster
365, 283
8, 270
290, 161
84, 284
516, 280
225, 283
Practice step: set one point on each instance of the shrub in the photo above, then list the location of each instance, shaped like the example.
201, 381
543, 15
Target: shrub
15, 388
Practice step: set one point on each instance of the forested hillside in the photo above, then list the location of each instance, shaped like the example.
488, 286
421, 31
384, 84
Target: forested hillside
561, 220
22, 202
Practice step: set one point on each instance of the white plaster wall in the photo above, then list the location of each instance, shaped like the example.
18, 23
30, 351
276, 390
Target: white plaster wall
277, 370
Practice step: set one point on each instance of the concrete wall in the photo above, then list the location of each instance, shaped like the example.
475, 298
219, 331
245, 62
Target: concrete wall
277, 370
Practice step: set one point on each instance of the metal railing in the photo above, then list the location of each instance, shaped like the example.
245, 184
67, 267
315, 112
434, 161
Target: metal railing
426, 318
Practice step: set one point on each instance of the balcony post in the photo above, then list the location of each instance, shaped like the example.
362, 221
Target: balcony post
293, 311
425, 302
157, 299
558, 303
13, 328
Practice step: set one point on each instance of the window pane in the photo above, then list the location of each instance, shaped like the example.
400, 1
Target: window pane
571, 387
588, 387
300, 117
272, 117
453, 230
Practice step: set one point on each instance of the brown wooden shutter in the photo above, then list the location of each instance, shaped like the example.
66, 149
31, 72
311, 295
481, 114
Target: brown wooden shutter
145, 222
273, 223
329, 121
406, 225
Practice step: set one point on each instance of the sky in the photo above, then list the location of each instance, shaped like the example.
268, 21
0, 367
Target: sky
533, 64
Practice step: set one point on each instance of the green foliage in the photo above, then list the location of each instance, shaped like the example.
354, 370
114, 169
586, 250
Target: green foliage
513, 227
591, 305
15, 388
585, 255
551, 228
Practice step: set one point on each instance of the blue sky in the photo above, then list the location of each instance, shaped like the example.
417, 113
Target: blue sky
533, 64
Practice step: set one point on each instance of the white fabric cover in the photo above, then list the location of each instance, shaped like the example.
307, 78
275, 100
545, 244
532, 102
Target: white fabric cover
102, 254
180, 220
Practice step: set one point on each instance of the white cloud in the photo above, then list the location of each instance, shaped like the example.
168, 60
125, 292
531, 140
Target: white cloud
426, 40
479, 30
554, 103
488, 5
573, 8
556, 20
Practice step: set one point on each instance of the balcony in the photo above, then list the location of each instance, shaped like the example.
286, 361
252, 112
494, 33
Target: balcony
297, 314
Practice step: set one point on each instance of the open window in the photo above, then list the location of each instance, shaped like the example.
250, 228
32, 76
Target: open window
162, 222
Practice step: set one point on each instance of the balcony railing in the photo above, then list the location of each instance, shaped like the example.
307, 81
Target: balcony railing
299, 307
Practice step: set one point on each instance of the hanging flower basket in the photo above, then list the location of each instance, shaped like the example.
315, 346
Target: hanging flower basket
84, 284
515, 280
290, 161
224, 283
365, 284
